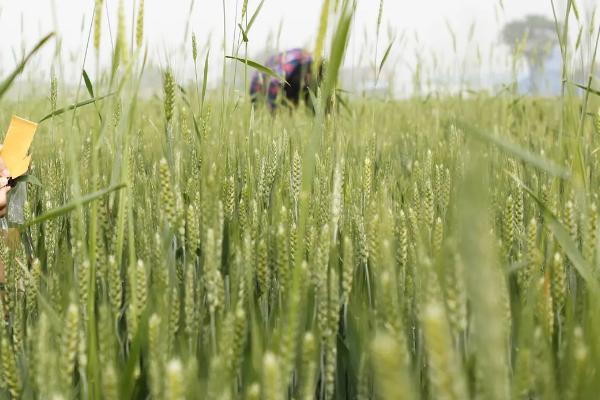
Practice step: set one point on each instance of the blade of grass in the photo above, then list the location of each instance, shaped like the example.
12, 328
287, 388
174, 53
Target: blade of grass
244, 35
385, 57
253, 18
337, 52
204, 81
563, 237
88, 84
7, 83
485, 282
62, 210
90, 89
265, 70
562, 40
73, 107
589, 89
321, 33
524, 155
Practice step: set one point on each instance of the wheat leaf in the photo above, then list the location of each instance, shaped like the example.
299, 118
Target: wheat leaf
259, 67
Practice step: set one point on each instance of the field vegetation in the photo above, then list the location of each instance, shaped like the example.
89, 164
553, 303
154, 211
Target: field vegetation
191, 246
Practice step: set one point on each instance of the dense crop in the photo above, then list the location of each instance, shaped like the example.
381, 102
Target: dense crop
418, 249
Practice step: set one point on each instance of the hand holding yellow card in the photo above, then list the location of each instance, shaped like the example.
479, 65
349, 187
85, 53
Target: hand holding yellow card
15, 150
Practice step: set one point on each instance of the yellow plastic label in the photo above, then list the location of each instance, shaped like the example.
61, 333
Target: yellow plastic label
17, 141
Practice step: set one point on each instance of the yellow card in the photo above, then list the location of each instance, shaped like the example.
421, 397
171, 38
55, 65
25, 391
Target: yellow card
17, 141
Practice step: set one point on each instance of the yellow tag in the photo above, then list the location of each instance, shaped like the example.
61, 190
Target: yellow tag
16, 146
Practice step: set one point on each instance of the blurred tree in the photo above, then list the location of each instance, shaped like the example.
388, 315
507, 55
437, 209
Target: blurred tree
533, 37
537, 32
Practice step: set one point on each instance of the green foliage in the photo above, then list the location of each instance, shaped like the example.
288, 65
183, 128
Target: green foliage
414, 249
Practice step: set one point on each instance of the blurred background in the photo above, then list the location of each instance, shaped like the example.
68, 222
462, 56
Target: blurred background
436, 45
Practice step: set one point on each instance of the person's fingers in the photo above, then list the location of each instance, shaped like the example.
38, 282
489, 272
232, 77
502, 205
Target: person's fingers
3, 169
3, 198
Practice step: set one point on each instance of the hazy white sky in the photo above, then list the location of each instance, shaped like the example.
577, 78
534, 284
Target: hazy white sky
23, 22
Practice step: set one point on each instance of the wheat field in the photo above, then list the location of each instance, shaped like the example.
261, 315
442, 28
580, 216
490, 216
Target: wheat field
190, 245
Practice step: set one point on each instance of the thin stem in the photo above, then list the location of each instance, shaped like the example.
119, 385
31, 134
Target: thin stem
213, 332
224, 79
